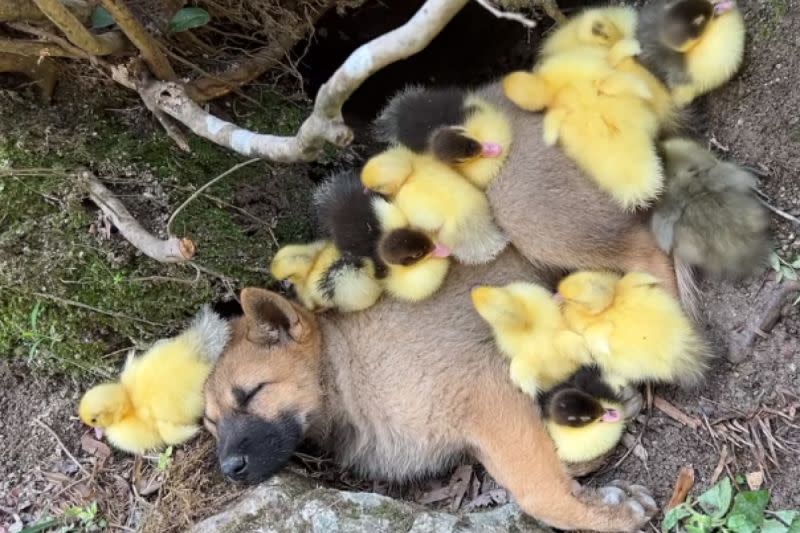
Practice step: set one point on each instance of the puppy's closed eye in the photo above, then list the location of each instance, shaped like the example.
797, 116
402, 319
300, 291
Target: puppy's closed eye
244, 396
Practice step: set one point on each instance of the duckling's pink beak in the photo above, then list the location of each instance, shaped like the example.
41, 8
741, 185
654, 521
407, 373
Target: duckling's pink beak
612, 415
723, 6
98, 433
557, 298
491, 150
441, 251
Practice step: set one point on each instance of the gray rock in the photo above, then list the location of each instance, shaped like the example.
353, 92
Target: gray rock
289, 503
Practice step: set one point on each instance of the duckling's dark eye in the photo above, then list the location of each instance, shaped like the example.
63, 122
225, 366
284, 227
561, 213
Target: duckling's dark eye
94, 420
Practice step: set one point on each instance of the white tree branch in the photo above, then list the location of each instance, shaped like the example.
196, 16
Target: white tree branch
325, 124
171, 250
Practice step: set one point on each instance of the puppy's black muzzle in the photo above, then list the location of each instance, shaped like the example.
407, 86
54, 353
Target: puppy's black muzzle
251, 449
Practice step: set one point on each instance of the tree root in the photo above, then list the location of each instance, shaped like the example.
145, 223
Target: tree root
141, 39
171, 250
43, 71
26, 10
741, 345
35, 49
98, 45
325, 124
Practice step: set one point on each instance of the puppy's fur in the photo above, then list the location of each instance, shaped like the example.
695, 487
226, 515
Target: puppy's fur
398, 392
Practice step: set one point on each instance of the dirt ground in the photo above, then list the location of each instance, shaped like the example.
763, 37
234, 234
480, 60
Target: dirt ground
753, 121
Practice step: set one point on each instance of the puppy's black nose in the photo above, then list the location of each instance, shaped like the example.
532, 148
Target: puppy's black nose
234, 466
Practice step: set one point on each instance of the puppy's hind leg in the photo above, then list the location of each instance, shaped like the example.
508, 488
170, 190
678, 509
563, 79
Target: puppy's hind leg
512, 443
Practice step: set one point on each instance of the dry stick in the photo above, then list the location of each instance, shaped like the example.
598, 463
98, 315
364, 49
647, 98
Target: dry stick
61, 444
673, 412
325, 124
99, 45
499, 13
26, 10
770, 314
199, 191
171, 250
780, 212
140, 38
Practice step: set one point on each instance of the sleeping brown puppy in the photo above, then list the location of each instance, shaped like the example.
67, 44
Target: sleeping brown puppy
397, 392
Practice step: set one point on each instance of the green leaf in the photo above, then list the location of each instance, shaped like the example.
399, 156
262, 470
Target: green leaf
101, 18
796, 262
795, 527
747, 514
775, 262
41, 526
188, 18
674, 516
716, 500
699, 523
774, 526
789, 273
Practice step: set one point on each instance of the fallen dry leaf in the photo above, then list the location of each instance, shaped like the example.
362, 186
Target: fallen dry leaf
723, 461
493, 497
459, 484
755, 479
676, 414
95, 447
146, 487
683, 484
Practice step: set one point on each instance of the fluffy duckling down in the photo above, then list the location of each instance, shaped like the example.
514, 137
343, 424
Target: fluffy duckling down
605, 119
529, 329
324, 279
362, 223
695, 46
709, 215
635, 330
453, 125
437, 200
158, 399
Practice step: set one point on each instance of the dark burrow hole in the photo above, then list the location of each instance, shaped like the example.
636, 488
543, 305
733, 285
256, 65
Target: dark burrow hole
474, 48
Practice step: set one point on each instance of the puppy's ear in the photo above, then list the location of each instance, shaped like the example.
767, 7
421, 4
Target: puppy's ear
271, 318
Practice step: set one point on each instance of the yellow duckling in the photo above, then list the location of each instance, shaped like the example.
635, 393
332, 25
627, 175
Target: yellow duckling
634, 329
529, 329
695, 46
324, 279
437, 200
417, 266
453, 125
158, 400
605, 118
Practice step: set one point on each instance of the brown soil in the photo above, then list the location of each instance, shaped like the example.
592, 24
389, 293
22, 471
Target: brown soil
754, 120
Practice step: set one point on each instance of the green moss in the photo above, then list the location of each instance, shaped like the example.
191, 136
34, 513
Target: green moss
47, 245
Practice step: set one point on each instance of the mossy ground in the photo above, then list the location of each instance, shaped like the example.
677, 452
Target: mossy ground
52, 243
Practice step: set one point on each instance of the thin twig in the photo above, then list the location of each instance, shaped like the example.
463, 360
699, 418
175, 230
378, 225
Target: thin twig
199, 191
81, 305
779, 212
499, 13
61, 444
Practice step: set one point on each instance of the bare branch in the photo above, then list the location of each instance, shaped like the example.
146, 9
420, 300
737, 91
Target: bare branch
26, 10
499, 13
764, 321
171, 250
325, 123
99, 45
140, 38
34, 49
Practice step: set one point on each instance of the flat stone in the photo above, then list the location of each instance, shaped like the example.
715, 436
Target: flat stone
290, 503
